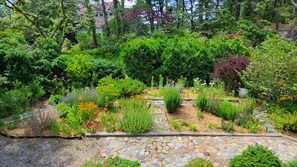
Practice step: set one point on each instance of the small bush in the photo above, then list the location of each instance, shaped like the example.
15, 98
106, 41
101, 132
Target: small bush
192, 127
212, 125
199, 114
172, 99
138, 118
54, 99
110, 121
282, 119
199, 162
116, 162
41, 121
229, 127
256, 156
201, 102
18, 100
228, 110
249, 122
176, 124
292, 163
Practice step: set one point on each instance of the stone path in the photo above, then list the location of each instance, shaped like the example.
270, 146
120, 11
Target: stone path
150, 151
160, 120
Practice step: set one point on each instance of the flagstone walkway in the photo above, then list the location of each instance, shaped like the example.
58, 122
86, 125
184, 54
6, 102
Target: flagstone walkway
150, 151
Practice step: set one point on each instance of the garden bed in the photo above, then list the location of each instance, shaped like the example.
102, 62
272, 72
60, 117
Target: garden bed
187, 114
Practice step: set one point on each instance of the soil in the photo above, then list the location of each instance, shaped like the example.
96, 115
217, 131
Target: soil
188, 113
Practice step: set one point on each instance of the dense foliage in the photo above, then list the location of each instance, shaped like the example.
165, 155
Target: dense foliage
273, 72
199, 162
256, 156
228, 70
115, 162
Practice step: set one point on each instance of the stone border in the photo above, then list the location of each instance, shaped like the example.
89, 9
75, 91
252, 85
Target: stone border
164, 134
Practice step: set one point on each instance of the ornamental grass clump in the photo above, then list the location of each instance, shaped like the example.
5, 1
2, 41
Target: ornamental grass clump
172, 99
138, 118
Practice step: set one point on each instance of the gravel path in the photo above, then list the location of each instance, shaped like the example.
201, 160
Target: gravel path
151, 151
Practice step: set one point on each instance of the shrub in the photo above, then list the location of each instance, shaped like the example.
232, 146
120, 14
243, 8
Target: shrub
72, 124
249, 122
102, 68
109, 89
18, 100
201, 102
228, 70
54, 99
249, 105
192, 127
110, 121
283, 119
199, 114
130, 87
78, 67
292, 163
172, 99
41, 121
212, 125
138, 118
116, 162
229, 127
272, 72
199, 162
256, 156
176, 124
142, 57
228, 110
213, 106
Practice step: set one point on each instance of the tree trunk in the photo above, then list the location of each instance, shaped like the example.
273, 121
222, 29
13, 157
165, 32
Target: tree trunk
116, 14
105, 18
92, 21
151, 19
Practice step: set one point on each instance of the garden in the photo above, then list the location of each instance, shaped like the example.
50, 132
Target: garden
155, 69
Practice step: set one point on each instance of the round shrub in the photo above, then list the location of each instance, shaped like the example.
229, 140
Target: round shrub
256, 156
141, 57
199, 162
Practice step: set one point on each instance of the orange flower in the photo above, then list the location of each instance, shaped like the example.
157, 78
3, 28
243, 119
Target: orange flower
138, 96
290, 97
94, 126
280, 83
105, 109
81, 104
80, 98
283, 98
95, 114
